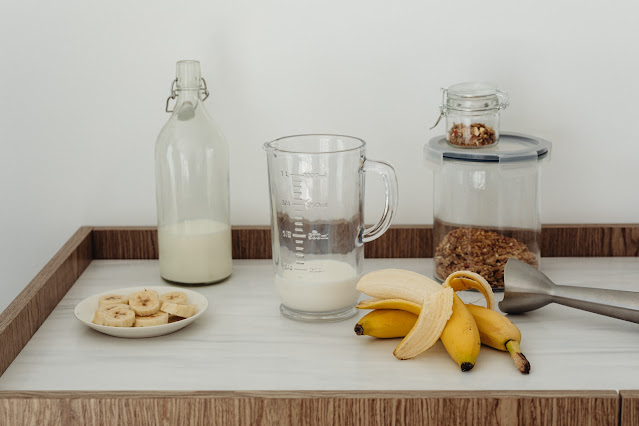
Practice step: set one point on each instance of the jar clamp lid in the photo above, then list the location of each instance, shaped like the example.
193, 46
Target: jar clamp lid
471, 97
513, 148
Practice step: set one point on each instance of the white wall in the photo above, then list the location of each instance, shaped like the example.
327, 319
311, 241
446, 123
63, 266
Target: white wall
83, 86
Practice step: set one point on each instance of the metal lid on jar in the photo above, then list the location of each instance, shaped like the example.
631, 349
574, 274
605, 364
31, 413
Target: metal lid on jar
512, 148
473, 97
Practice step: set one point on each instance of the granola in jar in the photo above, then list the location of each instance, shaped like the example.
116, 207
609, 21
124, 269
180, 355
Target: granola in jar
474, 136
481, 251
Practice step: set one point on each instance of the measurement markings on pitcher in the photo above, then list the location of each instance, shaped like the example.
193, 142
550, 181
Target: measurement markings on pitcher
314, 235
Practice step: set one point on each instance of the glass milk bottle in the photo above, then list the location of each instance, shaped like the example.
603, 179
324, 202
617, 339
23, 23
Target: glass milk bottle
192, 187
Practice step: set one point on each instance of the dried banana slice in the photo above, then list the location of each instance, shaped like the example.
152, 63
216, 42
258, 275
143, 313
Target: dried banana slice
118, 316
436, 310
466, 280
145, 303
112, 299
175, 297
158, 318
98, 317
184, 311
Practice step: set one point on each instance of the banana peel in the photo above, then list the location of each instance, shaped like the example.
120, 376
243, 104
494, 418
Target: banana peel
466, 280
397, 284
436, 311
400, 304
435, 305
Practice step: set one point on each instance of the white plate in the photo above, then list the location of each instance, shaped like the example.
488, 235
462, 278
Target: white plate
85, 310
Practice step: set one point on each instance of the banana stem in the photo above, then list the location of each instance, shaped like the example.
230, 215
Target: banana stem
521, 362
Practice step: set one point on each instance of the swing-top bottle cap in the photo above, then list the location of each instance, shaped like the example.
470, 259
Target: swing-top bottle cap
188, 74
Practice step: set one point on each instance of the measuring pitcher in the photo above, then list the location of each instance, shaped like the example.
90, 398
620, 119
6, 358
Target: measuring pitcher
317, 222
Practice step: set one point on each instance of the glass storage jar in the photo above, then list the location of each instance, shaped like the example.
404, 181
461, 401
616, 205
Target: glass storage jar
486, 205
471, 112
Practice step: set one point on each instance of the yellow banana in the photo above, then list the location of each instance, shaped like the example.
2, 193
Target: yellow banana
461, 336
401, 304
386, 323
498, 332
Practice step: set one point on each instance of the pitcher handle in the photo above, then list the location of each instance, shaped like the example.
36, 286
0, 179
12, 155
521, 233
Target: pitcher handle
387, 173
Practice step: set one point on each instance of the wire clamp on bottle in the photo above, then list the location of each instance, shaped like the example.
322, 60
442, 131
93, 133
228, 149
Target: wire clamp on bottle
204, 91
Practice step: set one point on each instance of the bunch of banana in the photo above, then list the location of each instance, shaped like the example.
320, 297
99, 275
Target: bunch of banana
399, 304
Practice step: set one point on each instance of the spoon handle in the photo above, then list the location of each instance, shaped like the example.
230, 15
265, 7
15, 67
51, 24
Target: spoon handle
612, 303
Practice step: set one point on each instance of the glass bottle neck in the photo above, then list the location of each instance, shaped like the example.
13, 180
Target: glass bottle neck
188, 95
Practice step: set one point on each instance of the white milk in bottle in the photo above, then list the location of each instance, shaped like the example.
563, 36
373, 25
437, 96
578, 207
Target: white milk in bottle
197, 251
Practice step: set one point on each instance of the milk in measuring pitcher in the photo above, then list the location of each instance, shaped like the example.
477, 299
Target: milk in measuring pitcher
195, 251
331, 289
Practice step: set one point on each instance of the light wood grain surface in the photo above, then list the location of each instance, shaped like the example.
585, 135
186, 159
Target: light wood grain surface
579, 408
242, 342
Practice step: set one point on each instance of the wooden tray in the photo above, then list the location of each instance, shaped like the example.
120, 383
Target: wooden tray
28, 311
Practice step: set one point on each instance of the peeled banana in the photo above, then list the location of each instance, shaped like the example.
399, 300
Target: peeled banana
435, 302
440, 315
498, 332
386, 323
460, 335
494, 329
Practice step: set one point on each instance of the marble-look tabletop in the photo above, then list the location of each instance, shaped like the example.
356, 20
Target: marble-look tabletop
243, 343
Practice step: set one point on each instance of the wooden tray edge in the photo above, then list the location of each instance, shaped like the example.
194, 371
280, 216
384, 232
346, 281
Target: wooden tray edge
352, 408
629, 407
400, 241
26, 313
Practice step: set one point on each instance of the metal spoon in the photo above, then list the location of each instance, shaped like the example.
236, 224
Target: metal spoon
527, 289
